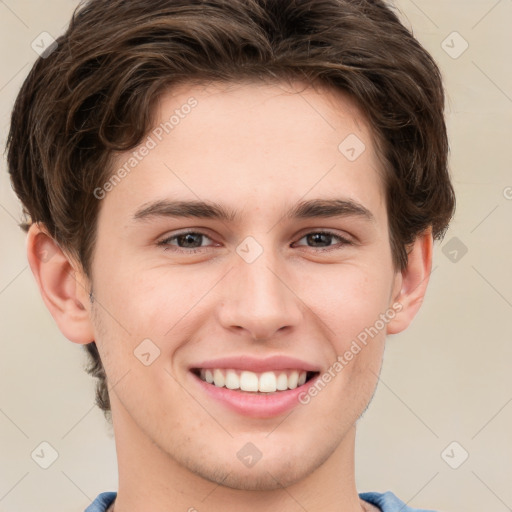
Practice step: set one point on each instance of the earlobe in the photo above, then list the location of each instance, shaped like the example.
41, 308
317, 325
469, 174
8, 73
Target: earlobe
62, 286
413, 282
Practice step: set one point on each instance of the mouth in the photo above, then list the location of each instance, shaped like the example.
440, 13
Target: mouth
262, 383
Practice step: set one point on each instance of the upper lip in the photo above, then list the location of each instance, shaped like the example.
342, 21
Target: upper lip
246, 362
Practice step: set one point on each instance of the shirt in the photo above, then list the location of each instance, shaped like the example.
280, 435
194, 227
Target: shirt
387, 502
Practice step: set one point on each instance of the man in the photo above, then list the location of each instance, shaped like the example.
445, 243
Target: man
231, 205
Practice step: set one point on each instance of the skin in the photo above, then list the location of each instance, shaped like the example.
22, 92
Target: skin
258, 149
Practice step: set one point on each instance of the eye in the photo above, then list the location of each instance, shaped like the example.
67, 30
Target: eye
189, 242
324, 237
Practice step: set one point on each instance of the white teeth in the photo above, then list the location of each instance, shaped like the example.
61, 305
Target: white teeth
293, 379
266, 382
282, 382
218, 378
232, 380
248, 381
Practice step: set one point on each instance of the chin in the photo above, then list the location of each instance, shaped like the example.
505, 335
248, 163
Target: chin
265, 475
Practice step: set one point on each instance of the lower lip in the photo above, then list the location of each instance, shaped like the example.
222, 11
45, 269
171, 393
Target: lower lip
256, 405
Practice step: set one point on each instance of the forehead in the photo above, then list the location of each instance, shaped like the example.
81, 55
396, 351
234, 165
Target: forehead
252, 143
259, 109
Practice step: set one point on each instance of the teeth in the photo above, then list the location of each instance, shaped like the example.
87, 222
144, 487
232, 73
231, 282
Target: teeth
218, 378
282, 382
293, 379
266, 382
248, 381
232, 380
209, 376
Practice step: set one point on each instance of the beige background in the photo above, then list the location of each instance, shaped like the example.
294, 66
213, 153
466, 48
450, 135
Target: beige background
448, 378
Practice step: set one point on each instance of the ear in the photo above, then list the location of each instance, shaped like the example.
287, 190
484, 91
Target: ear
62, 284
411, 283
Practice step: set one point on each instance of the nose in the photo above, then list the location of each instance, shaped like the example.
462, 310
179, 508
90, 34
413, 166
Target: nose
258, 298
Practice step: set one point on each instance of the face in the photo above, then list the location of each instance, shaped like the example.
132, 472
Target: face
299, 266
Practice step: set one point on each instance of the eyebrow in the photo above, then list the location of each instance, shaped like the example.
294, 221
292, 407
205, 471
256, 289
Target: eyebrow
314, 208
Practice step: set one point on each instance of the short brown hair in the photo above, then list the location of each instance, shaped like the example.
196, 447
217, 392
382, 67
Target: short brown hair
95, 94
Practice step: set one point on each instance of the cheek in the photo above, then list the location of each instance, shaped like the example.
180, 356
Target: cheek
168, 298
348, 298
145, 301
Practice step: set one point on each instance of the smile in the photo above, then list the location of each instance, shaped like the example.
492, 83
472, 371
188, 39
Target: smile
245, 398
252, 382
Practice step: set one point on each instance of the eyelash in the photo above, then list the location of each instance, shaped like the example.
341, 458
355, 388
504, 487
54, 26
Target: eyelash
165, 242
